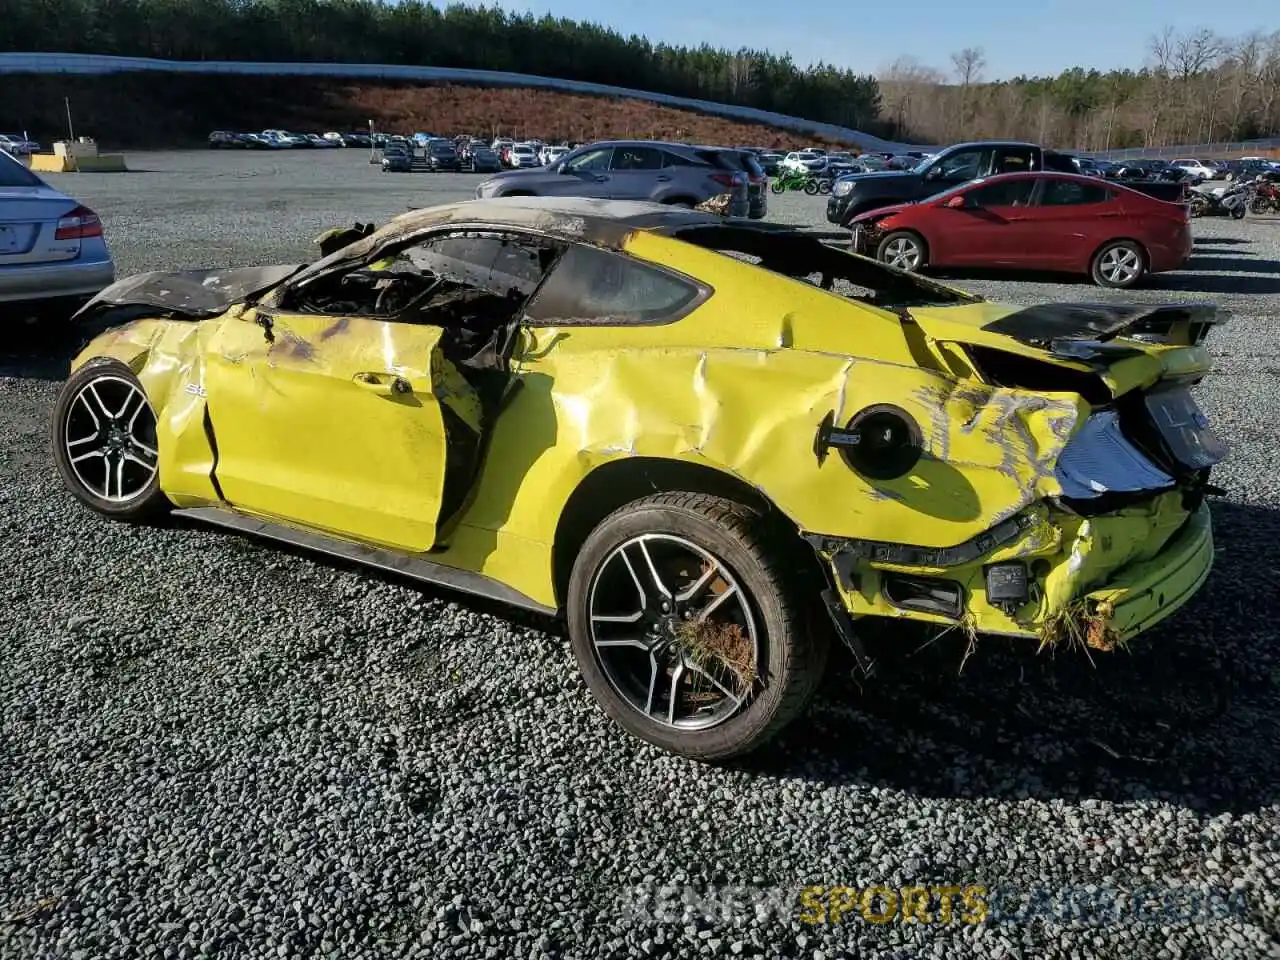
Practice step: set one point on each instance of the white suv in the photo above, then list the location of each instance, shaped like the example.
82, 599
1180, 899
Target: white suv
1197, 168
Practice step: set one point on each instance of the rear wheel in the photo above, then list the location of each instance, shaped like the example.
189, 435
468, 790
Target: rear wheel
104, 442
686, 628
811, 188
904, 250
1119, 265
824, 186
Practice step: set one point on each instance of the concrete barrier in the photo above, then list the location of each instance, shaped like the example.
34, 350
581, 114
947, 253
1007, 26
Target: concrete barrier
102, 163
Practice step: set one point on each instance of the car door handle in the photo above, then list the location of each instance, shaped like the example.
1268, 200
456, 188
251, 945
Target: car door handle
383, 384
662, 178
600, 178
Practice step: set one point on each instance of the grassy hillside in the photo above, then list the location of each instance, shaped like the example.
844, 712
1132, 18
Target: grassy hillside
171, 110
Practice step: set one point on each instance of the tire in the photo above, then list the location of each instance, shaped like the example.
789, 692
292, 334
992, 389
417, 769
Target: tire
777, 187
896, 251
82, 426
1118, 265
626, 681
1258, 205
824, 186
811, 187
1238, 212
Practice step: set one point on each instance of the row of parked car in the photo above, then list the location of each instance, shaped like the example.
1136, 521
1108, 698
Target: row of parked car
424, 151
275, 139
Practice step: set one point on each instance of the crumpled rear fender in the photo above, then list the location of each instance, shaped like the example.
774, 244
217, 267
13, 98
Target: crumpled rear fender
755, 414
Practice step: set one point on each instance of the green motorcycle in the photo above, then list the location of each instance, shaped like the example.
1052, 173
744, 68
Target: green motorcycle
794, 180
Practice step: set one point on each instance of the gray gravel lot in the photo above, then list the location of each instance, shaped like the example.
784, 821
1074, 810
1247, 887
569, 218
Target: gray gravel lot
210, 748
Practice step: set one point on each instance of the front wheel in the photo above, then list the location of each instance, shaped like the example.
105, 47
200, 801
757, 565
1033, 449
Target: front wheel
777, 186
811, 188
1237, 212
1118, 265
104, 442
686, 627
904, 250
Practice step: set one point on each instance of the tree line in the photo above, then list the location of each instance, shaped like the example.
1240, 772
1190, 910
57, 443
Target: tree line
1194, 87
417, 33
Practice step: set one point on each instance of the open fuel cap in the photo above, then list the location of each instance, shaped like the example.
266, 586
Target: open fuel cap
881, 442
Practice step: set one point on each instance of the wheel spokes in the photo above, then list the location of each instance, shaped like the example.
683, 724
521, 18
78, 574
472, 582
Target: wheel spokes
657, 657
119, 431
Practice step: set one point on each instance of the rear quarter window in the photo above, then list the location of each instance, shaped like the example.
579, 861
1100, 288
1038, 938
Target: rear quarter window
594, 287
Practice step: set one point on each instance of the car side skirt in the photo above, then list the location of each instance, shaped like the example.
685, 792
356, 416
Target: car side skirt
416, 568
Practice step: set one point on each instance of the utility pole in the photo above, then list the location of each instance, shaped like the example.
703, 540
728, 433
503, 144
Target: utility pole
71, 133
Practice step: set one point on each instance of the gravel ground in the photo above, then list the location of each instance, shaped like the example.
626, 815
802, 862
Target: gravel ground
208, 748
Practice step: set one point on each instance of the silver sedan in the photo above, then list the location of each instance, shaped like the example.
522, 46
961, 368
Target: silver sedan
51, 247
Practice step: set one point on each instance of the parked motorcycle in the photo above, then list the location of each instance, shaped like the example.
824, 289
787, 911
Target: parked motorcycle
1264, 196
795, 180
1212, 197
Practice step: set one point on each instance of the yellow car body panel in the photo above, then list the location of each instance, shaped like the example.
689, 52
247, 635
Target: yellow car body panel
311, 430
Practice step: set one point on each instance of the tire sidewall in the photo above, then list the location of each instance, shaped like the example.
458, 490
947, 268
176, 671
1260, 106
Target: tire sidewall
767, 608
145, 506
915, 238
1095, 269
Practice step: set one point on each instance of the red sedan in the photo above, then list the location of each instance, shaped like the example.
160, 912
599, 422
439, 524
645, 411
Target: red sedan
1033, 221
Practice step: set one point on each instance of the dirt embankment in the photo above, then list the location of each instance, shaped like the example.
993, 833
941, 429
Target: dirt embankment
172, 110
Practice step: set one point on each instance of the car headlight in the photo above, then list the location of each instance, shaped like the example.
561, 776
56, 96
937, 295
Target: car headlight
842, 188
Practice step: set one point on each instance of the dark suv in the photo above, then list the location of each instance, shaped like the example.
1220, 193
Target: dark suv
441, 155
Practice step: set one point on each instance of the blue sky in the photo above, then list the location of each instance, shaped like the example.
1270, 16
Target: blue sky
1018, 36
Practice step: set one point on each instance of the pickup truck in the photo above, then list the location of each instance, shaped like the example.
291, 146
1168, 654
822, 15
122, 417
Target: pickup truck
860, 192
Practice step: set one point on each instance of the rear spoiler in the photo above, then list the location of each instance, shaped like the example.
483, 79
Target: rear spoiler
1055, 326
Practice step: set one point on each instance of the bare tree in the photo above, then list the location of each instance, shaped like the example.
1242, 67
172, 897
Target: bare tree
1243, 65
968, 64
1162, 50
903, 83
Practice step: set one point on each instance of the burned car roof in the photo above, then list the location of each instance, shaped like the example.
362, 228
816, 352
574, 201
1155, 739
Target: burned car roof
605, 223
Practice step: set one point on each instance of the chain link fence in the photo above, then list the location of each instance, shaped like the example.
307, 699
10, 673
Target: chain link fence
1201, 151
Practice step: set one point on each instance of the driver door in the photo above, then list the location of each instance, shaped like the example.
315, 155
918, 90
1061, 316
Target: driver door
332, 424
352, 424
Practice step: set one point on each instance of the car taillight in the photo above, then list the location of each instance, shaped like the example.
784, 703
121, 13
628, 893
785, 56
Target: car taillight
79, 224
729, 180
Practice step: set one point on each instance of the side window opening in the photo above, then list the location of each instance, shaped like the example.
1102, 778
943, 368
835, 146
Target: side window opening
471, 283
1069, 193
594, 287
1009, 193
808, 260
636, 158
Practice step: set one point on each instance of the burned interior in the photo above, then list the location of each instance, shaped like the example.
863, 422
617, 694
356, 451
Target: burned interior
801, 257
473, 284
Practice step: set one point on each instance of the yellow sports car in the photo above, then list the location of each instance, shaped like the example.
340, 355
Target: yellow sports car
711, 445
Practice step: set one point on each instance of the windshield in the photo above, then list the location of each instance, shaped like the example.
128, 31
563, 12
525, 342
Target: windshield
14, 174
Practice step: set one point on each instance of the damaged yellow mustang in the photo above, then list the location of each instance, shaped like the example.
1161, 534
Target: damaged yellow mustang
711, 445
